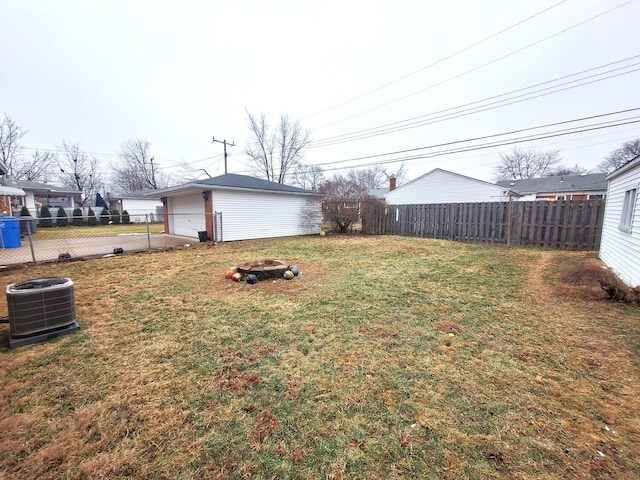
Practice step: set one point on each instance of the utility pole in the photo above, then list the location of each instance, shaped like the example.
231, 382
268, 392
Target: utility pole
153, 175
224, 142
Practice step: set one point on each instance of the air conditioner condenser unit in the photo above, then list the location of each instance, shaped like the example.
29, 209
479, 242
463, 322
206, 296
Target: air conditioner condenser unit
40, 309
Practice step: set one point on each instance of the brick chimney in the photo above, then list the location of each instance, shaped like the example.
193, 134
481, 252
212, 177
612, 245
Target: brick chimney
392, 183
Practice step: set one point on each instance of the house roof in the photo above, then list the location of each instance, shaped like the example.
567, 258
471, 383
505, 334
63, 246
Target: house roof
39, 188
232, 181
138, 194
378, 192
558, 184
436, 170
627, 166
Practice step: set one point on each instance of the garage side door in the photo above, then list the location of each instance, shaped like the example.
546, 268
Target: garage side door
186, 215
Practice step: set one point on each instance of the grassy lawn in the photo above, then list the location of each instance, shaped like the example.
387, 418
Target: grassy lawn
347, 371
71, 231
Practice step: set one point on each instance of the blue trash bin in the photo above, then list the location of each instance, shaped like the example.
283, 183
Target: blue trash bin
10, 232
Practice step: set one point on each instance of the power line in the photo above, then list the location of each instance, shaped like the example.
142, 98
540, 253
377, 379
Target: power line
482, 137
480, 147
435, 63
478, 67
415, 122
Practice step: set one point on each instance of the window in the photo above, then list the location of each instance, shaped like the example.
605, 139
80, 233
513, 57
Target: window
627, 210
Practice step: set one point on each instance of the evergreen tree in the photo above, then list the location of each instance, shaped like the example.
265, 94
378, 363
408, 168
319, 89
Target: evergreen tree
77, 220
105, 218
62, 220
92, 221
45, 217
115, 216
126, 219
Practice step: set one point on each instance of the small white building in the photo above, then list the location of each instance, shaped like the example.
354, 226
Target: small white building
139, 206
620, 242
442, 186
238, 207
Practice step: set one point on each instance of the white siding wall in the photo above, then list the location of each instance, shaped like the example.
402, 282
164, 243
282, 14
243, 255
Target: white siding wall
618, 249
247, 215
440, 186
138, 208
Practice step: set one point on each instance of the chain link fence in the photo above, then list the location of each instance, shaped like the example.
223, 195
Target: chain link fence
26, 240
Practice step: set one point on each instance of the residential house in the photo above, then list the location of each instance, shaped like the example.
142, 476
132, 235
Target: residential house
239, 207
442, 186
34, 195
560, 187
620, 241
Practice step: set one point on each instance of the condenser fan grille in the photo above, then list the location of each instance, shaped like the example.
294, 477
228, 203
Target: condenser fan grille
40, 306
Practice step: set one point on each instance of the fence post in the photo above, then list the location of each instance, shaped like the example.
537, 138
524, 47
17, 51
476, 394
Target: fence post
146, 219
509, 211
33, 253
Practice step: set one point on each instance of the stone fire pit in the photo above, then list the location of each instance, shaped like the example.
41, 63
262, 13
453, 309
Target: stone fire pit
267, 268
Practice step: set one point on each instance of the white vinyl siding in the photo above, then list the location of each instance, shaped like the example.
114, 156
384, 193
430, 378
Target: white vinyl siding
440, 186
139, 208
250, 215
619, 249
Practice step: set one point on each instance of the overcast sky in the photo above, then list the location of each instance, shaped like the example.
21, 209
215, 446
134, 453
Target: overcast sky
179, 73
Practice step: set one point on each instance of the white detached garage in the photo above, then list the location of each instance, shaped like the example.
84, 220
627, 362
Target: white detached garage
238, 207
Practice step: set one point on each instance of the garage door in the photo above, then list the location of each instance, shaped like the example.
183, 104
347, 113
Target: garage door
186, 215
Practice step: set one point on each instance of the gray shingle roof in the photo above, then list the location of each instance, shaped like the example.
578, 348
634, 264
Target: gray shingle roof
557, 184
233, 180
40, 188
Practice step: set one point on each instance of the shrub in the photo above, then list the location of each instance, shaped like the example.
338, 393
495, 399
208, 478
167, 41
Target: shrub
126, 219
77, 219
62, 220
92, 221
24, 222
105, 218
115, 216
590, 274
45, 217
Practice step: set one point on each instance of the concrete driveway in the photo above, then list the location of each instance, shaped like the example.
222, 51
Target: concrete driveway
44, 250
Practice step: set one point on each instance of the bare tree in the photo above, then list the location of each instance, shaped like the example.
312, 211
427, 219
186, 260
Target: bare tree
620, 156
342, 197
275, 152
377, 176
308, 177
36, 167
136, 169
10, 147
372, 177
79, 171
520, 164
575, 170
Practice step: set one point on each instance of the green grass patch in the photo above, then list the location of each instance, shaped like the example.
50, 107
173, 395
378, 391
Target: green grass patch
71, 231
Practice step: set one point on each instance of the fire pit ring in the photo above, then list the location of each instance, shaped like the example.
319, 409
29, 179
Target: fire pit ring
267, 268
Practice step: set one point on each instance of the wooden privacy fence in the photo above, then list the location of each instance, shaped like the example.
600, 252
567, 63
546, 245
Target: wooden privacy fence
565, 224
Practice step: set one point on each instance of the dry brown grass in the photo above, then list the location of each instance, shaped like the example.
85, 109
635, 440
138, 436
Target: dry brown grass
343, 372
